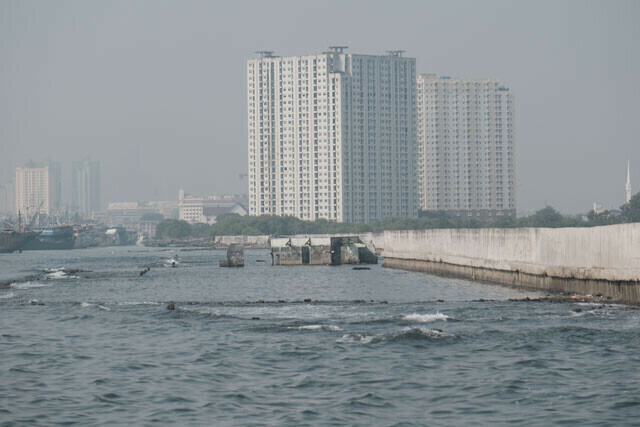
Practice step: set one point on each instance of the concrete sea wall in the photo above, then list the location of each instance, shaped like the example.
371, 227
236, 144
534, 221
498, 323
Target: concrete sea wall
599, 260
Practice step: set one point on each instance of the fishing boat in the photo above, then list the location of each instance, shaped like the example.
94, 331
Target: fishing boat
12, 241
52, 238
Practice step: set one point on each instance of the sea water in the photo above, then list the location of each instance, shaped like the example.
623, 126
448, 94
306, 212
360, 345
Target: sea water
86, 339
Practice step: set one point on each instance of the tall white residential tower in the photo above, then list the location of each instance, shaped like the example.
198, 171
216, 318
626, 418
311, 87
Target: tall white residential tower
332, 136
466, 146
38, 188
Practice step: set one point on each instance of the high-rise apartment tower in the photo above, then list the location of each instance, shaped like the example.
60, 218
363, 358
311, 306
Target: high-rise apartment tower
466, 146
332, 136
85, 187
38, 188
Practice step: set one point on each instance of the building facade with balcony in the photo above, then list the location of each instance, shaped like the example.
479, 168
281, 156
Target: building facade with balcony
466, 146
332, 136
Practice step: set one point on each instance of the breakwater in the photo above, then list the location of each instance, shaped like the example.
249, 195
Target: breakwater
598, 260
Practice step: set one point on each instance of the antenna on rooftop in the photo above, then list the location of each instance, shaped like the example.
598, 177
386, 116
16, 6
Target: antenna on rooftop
338, 49
265, 54
396, 53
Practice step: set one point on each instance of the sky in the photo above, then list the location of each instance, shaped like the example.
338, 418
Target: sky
156, 90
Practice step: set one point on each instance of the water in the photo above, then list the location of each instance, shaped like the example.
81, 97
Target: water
373, 347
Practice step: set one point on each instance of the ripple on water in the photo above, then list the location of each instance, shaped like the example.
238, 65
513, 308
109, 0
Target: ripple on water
405, 334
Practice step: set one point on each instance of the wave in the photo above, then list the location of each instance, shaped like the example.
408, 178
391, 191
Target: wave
423, 318
328, 328
60, 273
88, 304
405, 334
29, 285
7, 296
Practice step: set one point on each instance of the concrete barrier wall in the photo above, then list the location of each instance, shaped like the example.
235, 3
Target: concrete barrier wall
561, 259
257, 241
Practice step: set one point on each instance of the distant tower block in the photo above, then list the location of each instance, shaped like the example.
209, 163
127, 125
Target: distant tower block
628, 186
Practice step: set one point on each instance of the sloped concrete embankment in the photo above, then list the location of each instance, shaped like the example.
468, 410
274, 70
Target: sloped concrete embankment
598, 260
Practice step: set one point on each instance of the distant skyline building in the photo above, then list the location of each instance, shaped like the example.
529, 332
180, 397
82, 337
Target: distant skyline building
466, 146
628, 186
7, 197
332, 136
85, 187
207, 209
38, 188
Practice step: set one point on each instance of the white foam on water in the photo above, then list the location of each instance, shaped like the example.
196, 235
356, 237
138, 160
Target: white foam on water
7, 296
404, 333
88, 304
423, 331
57, 275
423, 318
28, 285
330, 328
355, 339
201, 310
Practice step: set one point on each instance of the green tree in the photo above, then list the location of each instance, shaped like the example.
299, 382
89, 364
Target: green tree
173, 229
602, 218
631, 210
546, 217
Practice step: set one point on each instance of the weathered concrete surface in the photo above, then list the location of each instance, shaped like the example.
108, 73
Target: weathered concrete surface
598, 260
320, 250
247, 241
235, 256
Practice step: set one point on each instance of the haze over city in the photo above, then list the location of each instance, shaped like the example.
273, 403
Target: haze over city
319, 212
156, 91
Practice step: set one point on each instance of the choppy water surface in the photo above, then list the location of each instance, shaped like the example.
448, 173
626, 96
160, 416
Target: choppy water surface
243, 347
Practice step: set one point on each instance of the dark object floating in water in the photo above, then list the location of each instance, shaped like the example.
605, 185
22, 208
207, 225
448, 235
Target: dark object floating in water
255, 318
171, 306
361, 268
577, 310
307, 300
261, 260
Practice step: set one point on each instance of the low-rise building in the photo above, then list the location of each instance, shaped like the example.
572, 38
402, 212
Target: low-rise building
207, 209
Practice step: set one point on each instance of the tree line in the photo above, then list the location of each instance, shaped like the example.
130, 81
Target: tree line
233, 225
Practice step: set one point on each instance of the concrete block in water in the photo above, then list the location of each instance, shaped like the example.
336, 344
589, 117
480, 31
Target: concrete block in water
235, 257
321, 251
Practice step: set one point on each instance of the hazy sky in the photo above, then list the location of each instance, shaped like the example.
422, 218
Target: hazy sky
155, 90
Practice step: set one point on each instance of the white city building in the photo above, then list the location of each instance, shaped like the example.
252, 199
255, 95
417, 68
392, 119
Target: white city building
206, 210
332, 136
38, 189
466, 146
